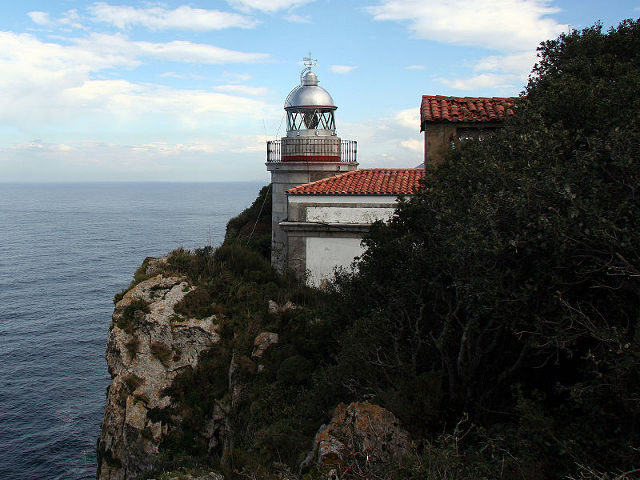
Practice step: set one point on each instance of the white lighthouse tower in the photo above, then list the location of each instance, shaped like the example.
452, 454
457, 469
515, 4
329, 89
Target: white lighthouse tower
311, 151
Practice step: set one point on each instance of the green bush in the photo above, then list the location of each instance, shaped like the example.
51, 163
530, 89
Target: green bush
196, 304
131, 313
162, 352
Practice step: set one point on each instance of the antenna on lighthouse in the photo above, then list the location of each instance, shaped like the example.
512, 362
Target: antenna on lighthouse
308, 63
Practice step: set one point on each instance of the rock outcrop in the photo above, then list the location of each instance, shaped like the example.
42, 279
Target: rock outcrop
362, 430
149, 345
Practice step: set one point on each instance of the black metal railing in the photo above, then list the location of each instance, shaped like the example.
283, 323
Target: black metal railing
348, 151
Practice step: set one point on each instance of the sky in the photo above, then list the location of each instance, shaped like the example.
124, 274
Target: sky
191, 91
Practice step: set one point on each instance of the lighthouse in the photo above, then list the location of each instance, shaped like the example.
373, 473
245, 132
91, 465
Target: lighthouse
310, 151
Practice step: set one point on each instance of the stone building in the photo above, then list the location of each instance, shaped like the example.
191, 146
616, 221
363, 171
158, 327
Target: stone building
446, 121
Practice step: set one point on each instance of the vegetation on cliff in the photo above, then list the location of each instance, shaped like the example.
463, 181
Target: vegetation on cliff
496, 315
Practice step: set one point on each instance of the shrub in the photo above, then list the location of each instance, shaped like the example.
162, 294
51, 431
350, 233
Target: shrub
161, 351
195, 304
132, 346
129, 316
132, 381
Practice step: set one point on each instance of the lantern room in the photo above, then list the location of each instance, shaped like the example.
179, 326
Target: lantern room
310, 108
311, 125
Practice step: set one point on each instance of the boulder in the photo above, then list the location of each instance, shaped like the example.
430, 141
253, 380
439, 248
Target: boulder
262, 343
362, 429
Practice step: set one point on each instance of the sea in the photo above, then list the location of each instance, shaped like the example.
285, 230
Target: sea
65, 250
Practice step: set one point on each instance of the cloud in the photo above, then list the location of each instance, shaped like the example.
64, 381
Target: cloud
342, 69
512, 63
266, 5
159, 18
504, 25
69, 19
177, 50
234, 77
409, 118
294, 18
393, 141
512, 28
415, 67
504, 72
182, 76
40, 18
40, 146
485, 81
413, 144
49, 87
243, 90
195, 160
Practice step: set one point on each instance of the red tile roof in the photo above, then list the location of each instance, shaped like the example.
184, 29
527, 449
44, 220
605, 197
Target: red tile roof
370, 181
436, 108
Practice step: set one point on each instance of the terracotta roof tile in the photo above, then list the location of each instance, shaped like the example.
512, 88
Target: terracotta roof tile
370, 181
436, 108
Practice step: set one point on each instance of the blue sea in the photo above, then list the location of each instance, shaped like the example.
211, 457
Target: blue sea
65, 250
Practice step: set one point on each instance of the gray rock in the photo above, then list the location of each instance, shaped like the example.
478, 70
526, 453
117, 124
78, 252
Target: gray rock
143, 362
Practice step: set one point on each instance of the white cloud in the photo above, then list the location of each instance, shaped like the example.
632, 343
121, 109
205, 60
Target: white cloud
177, 50
409, 118
505, 72
46, 85
504, 25
40, 18
342, 69
415, 67
266, 5
412, 144
159, 18
512, 63
393, 141
512, 28
485, 81
294, 18
69, 19
234, 77
166, 149
243, 90
182, 76
40, 146
195, 160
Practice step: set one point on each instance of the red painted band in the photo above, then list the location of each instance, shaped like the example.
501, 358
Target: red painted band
310, 158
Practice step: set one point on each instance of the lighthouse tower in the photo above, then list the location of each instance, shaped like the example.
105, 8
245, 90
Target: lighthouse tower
311, 151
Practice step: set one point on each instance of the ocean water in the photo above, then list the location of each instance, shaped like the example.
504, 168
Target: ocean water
65, 250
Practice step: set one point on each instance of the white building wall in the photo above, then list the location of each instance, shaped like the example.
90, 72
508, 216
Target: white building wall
327, 214
325, 231
325, 254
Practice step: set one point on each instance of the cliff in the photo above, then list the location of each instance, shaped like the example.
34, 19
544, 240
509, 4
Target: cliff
149, 345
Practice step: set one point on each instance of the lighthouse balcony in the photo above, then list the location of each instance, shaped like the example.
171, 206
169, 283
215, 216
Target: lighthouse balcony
312, 150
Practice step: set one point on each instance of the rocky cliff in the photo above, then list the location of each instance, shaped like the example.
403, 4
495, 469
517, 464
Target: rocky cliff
149, 345
213, 375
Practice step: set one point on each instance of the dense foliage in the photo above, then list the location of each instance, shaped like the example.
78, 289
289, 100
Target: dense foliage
509, 287
252, 228
497, 314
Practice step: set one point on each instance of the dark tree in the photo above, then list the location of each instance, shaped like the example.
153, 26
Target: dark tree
509, 286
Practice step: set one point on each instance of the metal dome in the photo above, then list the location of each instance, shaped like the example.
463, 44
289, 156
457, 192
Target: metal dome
309, 95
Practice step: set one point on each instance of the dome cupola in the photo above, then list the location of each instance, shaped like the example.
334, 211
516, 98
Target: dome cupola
310, 108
